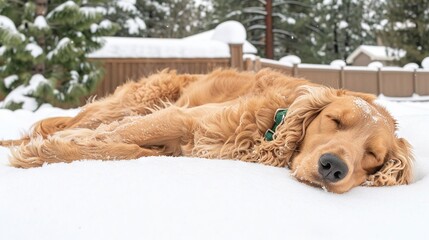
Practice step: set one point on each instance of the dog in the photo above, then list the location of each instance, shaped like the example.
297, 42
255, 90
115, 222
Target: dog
329, 138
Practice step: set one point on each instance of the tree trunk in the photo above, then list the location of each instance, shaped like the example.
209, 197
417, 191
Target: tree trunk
269, 52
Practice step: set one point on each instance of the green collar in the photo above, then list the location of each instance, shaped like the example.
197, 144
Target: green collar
279, 118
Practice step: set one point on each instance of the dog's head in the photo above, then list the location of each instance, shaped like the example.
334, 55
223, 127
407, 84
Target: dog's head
343, 139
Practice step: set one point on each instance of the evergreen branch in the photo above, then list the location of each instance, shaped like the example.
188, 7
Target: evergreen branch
280, 31
257, 26
291, 3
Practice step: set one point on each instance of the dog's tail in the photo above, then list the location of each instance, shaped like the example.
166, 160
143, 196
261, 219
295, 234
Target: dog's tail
49, 126
42, 128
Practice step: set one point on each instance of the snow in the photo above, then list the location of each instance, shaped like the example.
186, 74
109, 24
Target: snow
291, 59
425, 63
377, 53
6, 23
398, 26
127, 5
61, 7
122, 47
193, 198
360, 68
375, 64
93, 28
22, 92
210, 44
61, 44
338, 63
34, 49
411, 66
105, 24
414, 98
230, 32
134, 25
343, 24
274, 62
208, 35
93, 11
40, 22
396, 69
8, 81
319, 66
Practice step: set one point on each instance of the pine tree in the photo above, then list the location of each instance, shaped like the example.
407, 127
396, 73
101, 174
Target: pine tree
128, 16
45, 47
407, 28
172, 18
290, 20
342, 27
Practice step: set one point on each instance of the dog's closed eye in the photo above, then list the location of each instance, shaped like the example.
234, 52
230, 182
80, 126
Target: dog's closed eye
335, 120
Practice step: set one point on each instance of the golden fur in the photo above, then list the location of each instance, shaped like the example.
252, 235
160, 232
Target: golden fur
224, 115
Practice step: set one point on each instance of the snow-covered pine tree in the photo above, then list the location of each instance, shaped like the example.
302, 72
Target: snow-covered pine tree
172, 18
128, 16
343, 28
290, 19
406, 27
44, 51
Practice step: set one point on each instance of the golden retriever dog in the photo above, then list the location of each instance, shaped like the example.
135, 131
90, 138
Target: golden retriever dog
329, 138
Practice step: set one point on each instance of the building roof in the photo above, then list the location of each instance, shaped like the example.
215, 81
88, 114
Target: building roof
377, 53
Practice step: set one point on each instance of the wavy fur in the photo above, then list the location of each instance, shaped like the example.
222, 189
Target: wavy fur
223, 114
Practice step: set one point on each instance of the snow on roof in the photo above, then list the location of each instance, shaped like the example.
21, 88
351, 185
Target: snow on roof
223, 33
209, 44
377, 53
126, 47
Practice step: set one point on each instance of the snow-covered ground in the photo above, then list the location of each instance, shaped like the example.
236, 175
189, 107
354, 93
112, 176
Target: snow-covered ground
191, 198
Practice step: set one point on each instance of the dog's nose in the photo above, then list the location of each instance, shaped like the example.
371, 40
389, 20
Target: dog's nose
332, 168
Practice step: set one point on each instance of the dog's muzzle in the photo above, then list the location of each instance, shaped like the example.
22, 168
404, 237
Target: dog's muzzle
332, 168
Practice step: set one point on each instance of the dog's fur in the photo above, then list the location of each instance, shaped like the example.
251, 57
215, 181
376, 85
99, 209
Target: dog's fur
224, 115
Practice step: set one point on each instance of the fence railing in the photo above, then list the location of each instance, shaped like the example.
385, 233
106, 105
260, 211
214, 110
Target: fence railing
389, 81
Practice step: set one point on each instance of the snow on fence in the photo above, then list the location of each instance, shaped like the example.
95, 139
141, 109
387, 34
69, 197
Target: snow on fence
389, 81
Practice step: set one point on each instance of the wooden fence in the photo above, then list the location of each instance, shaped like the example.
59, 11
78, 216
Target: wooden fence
119, 70
389, 81
392, 82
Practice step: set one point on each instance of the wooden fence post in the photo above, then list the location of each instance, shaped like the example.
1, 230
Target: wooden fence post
295, 70
258, 64
248, 65
236, 51
379, 82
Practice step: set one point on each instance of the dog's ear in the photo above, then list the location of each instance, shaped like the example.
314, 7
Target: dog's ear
397, 170
301, 112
